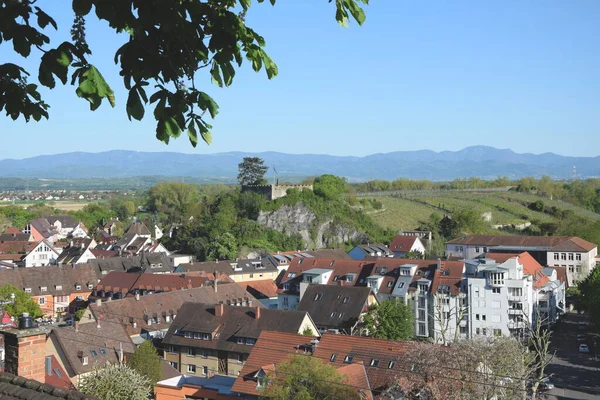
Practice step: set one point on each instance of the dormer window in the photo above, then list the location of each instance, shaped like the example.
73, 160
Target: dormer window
240, 340
58, 287
292, 275
90, 286
77, 287
336, 278
286, 286
84, 360
43, 289
187, 335
27, 290
390, 283
250, 342
349, 278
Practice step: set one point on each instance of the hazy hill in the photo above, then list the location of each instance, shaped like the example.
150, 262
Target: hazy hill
479, 161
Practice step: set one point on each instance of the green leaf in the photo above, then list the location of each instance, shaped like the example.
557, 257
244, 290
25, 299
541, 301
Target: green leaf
82, 7
205, 102
44, 19
135, 108
161, 132
215, 74
192, 134
21, 45
228, 73
245, 4
204, 132
159, 110
94, 88
171, 127
357, 12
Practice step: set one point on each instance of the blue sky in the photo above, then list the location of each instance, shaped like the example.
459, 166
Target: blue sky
438, 75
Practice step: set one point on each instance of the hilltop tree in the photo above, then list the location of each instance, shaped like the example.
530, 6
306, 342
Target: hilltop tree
390, 320
252, 171
168, 43
146, 361
306, 378
22, 303
330, 187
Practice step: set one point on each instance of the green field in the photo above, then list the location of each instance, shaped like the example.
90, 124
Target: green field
408, 211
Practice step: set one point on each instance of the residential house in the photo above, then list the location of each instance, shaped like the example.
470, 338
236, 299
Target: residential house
402, 245
364, 251
274, 348
78, 251
29, 254
448, 306
244, 270
80, 348
336, 309
152, 263
265, 291
59, 291
208, 339
282, 259
56, 227
318, 271
10, 235
145, 317
573, 253
117, 285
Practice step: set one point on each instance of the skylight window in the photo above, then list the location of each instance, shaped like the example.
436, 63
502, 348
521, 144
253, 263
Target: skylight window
348, 359
292, 275
103, 351
374, 363
318, 296
333, 357
346, 300
94, 353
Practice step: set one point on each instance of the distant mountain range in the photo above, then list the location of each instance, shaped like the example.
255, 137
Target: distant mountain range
477, 161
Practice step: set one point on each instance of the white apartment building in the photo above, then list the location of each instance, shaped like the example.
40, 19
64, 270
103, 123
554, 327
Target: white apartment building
500, 298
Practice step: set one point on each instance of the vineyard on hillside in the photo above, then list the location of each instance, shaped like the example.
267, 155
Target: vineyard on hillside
408, 210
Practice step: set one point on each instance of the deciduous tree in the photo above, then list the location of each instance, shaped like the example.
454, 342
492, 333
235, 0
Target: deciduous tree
115, 382
168, 44
146, 361
390, 320
22, 302
306, 378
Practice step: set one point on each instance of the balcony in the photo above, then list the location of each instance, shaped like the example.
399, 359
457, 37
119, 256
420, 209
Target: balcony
515, 311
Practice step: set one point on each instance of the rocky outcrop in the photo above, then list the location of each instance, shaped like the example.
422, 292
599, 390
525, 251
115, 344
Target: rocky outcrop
299, 219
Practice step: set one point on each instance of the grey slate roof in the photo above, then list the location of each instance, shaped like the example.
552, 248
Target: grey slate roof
66, 221
333, 306
236, 322
143, 262
18, 388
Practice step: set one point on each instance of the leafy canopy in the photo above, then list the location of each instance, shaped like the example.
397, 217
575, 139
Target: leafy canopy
252, 171
115, 382
392, 320
169, 43
146, 361
306, 378
23, 303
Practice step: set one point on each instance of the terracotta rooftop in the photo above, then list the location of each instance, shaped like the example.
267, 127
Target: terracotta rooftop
530, 266
264, 288
402, 243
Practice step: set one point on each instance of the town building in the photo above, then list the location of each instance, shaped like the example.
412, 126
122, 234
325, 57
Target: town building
240, 270
334, 308
578, 256
402, 245
369, 251
60, 291
264, 290
209, 339
28, 254
146, 317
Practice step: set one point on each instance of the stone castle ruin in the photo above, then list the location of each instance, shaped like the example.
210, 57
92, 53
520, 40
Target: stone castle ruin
272, 192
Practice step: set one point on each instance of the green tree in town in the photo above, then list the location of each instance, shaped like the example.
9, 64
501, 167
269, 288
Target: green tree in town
22, 302
392, 320
115, 382
251, 171
589, 296
146, 361
167, 44
175, 200
223, 247
306, 378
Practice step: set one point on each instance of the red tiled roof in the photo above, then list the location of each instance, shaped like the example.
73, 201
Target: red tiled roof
575, 244
17, 247
272, 348
403, 243
58, 377
265, 287
450, 274
12, 230
104, 253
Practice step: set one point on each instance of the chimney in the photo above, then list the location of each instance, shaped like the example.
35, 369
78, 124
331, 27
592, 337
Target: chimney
48, 365
257, 313
137, 296
216, 284
219, 310
98, 302
439, 264
76, 325
25, 350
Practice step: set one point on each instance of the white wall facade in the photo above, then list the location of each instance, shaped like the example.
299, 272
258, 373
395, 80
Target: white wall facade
577, 264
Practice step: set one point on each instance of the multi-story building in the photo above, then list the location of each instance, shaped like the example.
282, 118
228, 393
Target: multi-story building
240, 270
575, 254
206, 340
28, 254
58, 290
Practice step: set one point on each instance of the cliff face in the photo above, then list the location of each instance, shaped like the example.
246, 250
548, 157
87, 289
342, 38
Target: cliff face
299, 219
